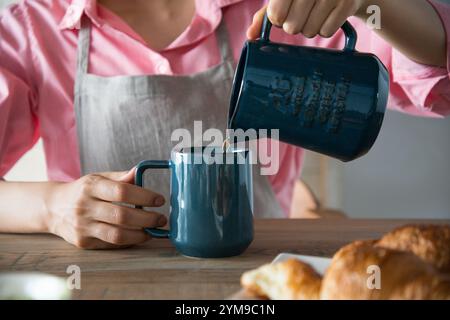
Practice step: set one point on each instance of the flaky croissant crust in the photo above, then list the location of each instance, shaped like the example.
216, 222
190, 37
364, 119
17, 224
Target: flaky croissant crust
412, 260
431, 243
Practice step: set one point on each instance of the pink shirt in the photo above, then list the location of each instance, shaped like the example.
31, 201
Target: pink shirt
38, 41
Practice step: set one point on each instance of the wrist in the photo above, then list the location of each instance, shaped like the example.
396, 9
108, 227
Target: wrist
50, 197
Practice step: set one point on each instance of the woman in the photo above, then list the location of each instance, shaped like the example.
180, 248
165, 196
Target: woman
141, 69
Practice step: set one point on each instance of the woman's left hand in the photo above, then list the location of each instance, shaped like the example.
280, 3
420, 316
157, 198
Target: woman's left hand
309, 17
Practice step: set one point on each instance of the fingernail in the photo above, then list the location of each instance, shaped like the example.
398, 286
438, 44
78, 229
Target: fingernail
159, 201
162, 221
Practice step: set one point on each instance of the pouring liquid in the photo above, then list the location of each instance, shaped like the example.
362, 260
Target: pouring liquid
226, 145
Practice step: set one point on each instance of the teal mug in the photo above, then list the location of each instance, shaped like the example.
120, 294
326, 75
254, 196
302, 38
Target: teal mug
211, 201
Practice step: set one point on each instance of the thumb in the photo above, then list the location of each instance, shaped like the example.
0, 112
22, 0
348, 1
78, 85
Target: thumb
120, 176
254, 30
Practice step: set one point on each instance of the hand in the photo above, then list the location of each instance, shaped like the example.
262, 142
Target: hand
86, 212
309, 17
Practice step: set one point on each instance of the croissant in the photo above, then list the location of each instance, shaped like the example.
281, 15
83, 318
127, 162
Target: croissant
403, 275
287, 280
412, 262
429, 242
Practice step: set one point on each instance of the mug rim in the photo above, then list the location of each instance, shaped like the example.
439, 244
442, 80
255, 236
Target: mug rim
180, 150
179, 155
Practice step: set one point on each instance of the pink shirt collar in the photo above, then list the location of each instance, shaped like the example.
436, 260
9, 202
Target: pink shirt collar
72, 16
207, 18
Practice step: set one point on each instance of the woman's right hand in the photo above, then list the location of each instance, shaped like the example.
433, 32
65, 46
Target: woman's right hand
86, 212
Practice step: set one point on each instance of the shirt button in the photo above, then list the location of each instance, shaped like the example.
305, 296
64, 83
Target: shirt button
162, 68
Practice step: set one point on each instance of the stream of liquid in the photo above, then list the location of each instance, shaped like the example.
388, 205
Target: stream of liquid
226, 145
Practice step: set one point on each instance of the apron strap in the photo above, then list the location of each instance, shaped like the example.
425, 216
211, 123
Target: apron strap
223, 42
84, 39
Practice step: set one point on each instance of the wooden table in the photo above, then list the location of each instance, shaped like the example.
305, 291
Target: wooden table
156, 271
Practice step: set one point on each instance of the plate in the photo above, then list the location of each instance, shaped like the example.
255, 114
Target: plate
320, 264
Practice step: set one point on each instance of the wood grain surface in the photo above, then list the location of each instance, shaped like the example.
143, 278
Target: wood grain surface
156, 271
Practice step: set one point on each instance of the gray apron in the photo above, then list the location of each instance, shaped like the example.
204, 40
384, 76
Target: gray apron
122, 120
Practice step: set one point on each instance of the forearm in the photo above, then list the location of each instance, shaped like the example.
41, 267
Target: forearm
413, 27
23, 206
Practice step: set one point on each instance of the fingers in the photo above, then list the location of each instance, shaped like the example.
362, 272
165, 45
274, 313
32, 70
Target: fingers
102, 188
128, 177
121, 176
317, 16
126, 217
83, 241
298, 15
117, 175
254, 30
89, 218
310, 17
278, 10
335, 21
116, 235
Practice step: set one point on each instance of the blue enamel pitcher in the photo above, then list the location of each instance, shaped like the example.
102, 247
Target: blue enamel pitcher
329, 101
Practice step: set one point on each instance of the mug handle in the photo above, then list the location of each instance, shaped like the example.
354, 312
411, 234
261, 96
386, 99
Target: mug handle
139, 181
350, 34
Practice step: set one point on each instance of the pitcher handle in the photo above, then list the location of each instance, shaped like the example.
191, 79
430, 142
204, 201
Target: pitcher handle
139, 181
350, 34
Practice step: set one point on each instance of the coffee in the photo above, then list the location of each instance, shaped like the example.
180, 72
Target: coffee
226, 145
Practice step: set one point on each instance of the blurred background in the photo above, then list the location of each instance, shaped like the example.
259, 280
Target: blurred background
405, 175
